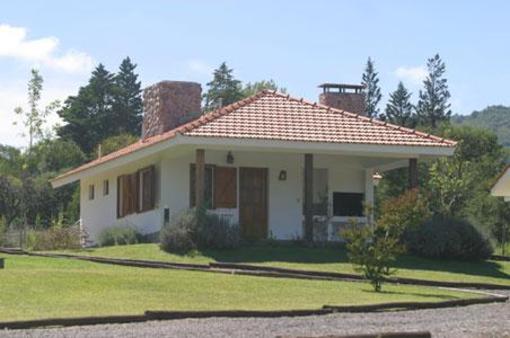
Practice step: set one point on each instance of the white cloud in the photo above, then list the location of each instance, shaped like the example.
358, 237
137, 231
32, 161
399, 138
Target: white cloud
201, 67
414, 75
15, 44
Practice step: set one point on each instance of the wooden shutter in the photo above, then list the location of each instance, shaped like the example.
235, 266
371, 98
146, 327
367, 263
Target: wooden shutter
119, 197
147, 184
225, 187
208, 189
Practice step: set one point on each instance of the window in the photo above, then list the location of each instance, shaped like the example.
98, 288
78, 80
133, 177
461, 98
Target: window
136, 192
320, 191
91, 192
209, 177
106, 187
220, 186
347, 204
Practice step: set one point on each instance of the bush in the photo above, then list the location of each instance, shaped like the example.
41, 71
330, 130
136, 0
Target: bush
446, 237
118, 235
405, 212
55, 238
373, 249
196, 229
177, 236
217, 233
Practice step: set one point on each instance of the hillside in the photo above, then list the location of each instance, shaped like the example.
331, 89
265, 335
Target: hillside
495, 118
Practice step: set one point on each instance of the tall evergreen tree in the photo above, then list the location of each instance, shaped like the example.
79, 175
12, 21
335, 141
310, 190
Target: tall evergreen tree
433, 106
224, 89
88, 116
399, 109
128, 107
373, 95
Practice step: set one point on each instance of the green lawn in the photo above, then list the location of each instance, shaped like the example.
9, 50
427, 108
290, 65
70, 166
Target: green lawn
320, 259
37, 287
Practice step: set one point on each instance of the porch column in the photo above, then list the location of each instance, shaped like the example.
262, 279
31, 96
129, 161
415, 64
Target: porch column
308, 198
413, 173
199, 177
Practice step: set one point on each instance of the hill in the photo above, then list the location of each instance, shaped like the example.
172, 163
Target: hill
494, 118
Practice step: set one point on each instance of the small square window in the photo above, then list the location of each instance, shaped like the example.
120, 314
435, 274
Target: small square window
106, 187
91, 192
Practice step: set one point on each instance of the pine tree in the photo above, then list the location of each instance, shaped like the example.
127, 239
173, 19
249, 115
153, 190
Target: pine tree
399, 109
433, 106
88, 116
223, 90
128, 107
373, 95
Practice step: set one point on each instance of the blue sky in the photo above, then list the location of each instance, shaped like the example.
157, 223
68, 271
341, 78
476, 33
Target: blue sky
299, 44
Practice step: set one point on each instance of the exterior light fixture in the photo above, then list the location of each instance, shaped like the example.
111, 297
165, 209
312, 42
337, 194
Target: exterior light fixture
376, 178
230, 158
283, 175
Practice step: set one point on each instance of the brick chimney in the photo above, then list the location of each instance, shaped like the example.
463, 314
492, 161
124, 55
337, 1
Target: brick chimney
348, 97
169, 104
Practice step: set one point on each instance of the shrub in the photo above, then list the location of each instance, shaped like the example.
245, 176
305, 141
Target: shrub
446, 237
177, 236
118, 235
405, 212
55, 238
196, 229
372, 249
217, 233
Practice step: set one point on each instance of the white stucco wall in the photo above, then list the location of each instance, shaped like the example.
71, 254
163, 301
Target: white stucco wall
345, 174
101, 212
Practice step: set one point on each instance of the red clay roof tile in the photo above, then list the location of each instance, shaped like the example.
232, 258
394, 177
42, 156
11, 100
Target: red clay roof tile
269, 115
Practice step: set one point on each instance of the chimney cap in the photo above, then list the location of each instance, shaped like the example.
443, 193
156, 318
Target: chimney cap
342, 86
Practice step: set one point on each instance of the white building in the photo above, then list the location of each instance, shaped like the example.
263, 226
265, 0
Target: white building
268, 162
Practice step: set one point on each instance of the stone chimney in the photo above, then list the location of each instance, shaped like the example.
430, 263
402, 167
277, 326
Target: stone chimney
348, 97
169, 104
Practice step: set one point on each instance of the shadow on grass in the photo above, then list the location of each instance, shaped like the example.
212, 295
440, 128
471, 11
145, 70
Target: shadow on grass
303, 255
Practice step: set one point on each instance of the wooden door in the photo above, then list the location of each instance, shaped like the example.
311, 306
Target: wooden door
253, 218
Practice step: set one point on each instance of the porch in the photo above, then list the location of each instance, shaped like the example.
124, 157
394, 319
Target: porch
276, 193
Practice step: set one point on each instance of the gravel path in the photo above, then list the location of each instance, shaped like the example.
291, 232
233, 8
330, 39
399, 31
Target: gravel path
492, 320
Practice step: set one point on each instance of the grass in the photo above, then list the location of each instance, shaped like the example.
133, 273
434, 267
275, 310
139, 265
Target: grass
37, 287
320, 259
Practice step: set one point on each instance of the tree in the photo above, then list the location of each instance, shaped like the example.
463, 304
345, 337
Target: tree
370, 80
116, 142
373, 249
89, 115
252, 88
34, 117
456, 181
399, 109
433, 106
223, 90
128, 108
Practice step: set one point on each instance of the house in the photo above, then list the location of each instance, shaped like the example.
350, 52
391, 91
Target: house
501, 187
269, 162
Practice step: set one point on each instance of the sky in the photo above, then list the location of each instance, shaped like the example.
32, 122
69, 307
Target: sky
299, 44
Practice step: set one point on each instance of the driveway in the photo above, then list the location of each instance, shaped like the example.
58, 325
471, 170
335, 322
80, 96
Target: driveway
492, 320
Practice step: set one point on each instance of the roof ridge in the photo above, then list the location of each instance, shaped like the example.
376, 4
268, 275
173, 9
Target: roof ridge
365, 118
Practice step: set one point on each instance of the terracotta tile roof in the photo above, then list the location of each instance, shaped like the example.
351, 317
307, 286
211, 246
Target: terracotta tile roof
269, 115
